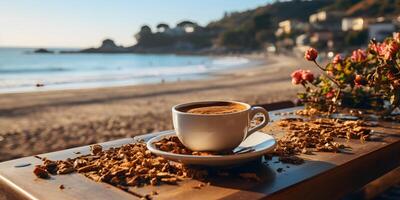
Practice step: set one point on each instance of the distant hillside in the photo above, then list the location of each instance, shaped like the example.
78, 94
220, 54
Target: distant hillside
301, 10
277, 11
250, 29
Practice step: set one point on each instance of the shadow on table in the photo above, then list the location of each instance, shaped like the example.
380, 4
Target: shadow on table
380, 136
272, 174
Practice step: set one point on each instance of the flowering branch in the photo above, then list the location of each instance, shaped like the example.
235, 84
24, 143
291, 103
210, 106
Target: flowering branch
366, 79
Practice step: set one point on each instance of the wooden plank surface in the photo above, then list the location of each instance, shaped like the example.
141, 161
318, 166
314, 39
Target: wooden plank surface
322, 176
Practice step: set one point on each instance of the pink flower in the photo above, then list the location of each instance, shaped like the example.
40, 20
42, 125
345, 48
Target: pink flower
385, 50
390, 50
337, 59
396, 36
307, 76
296, 81
358, 55
301, 76
375, 47
311, 54
297, 77
330, 94
380, 49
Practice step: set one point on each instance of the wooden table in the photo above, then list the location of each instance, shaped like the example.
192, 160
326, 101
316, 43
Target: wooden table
322, 176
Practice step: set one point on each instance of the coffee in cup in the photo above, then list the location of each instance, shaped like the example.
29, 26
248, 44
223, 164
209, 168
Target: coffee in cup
215, 125
214, 108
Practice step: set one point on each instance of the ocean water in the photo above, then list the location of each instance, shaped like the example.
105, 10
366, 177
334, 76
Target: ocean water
21, 71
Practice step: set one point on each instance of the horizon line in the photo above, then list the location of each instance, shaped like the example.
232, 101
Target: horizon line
40, 47
60, 47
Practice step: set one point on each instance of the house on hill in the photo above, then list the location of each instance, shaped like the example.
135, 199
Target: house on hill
284, 27
326, 20
290, 27
353, 24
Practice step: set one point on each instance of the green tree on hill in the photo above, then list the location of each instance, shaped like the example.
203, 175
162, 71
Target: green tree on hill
185, 23
144, 36
237, 39
162, 27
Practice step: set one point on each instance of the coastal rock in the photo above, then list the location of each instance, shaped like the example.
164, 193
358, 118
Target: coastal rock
107, 46
42, 50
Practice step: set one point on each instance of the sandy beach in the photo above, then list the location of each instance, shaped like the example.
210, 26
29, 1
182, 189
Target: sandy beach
38, 122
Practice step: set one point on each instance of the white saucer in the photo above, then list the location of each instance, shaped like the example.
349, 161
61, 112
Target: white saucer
261, 142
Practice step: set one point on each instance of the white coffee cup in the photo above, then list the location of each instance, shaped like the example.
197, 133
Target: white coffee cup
215, 132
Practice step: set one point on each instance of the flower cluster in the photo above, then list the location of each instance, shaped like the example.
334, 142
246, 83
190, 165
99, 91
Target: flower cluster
302, 76
311, 54
337, 59
358, 55
385, 50
367, 78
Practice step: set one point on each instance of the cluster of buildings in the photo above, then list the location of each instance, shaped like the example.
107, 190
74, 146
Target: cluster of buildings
333, 30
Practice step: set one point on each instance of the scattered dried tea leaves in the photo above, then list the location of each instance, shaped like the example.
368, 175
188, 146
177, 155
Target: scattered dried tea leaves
134, 165
41, 172
95, 149
309, 112
128, 165
316, 135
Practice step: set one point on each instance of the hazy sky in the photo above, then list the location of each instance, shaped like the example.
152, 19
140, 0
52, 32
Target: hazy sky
84, 23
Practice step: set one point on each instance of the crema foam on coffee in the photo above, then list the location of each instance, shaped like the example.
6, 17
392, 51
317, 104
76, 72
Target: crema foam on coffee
214, 108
